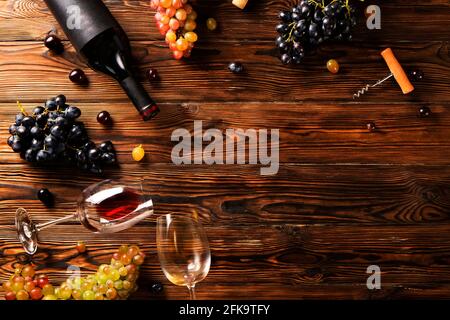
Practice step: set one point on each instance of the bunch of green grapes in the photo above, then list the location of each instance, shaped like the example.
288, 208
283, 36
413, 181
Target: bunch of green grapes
114, 281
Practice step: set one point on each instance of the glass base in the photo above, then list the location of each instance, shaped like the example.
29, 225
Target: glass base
26, 231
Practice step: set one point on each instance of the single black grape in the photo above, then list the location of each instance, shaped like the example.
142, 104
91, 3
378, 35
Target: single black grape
152, 74
45, 196
371, 126
22, 131
78, 76
424, 112
36, 132
107, 146
41, 120
28, 122
89, 145
302, 25
50, 141
60, 100
415, 75
16, 145
93, 154
296, 16
30, 155
236, 67
81, 156
36, 144
104, 118
51, 105
10, 140
53, 43
157, 287
305, 11
283, 47
282, 28
38, 110
57, 132
286, 58
108, 158
19, 118
13, 129
285, 16
318, 15
61, 121
72, 112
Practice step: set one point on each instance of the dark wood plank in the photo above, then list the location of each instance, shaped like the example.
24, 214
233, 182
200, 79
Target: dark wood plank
30, 73
278, 260
401, 20
309, 133
332, 195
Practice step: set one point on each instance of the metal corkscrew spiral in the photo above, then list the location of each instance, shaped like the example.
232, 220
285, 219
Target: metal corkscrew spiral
361, 92
366, 88
396, 71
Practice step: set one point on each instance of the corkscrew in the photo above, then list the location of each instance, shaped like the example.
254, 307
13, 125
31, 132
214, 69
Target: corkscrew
396, 71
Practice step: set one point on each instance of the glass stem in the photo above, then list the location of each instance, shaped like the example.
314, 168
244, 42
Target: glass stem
44, 225
191, 288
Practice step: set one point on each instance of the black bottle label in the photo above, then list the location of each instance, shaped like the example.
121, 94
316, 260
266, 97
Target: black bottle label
82, 20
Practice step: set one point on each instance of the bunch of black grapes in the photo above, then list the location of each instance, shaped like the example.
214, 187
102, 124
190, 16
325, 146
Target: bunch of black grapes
309, 24
52, 133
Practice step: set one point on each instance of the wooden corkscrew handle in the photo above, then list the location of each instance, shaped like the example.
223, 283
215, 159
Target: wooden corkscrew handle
397, 71
240, 3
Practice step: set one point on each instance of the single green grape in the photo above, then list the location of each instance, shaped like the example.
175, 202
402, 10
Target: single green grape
115, 275
65, 293
111, 293
48, 290
50, 297
22, 295
76, 294
123, 271
102, 278
99, 296
102, 288
126, 284
138, 259
118, 284
88, 295
123, 249
132, 251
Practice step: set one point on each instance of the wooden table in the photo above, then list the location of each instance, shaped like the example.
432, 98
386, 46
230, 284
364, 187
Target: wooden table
344, 198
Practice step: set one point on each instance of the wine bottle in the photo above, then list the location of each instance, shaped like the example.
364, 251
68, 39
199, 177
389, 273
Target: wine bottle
98, 37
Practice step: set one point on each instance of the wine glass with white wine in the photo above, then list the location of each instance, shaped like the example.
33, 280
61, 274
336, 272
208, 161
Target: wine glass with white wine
183, 250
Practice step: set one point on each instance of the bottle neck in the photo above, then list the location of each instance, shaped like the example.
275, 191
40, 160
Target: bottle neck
145, 105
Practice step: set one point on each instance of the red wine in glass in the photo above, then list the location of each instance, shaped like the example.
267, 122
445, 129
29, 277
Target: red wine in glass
119, 204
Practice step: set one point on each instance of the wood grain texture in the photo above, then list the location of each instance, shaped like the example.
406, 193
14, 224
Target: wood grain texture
343, 199
309, 133
31, 20
205, 76
348, 195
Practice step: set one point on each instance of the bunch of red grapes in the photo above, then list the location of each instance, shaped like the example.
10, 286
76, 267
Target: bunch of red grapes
175, 20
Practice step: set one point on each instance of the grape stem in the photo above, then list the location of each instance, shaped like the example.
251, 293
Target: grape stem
22, 109
292, 26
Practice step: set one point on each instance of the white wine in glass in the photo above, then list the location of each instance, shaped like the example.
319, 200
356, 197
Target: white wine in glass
183, 250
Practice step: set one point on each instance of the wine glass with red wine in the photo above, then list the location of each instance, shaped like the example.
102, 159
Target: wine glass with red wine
105, 207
